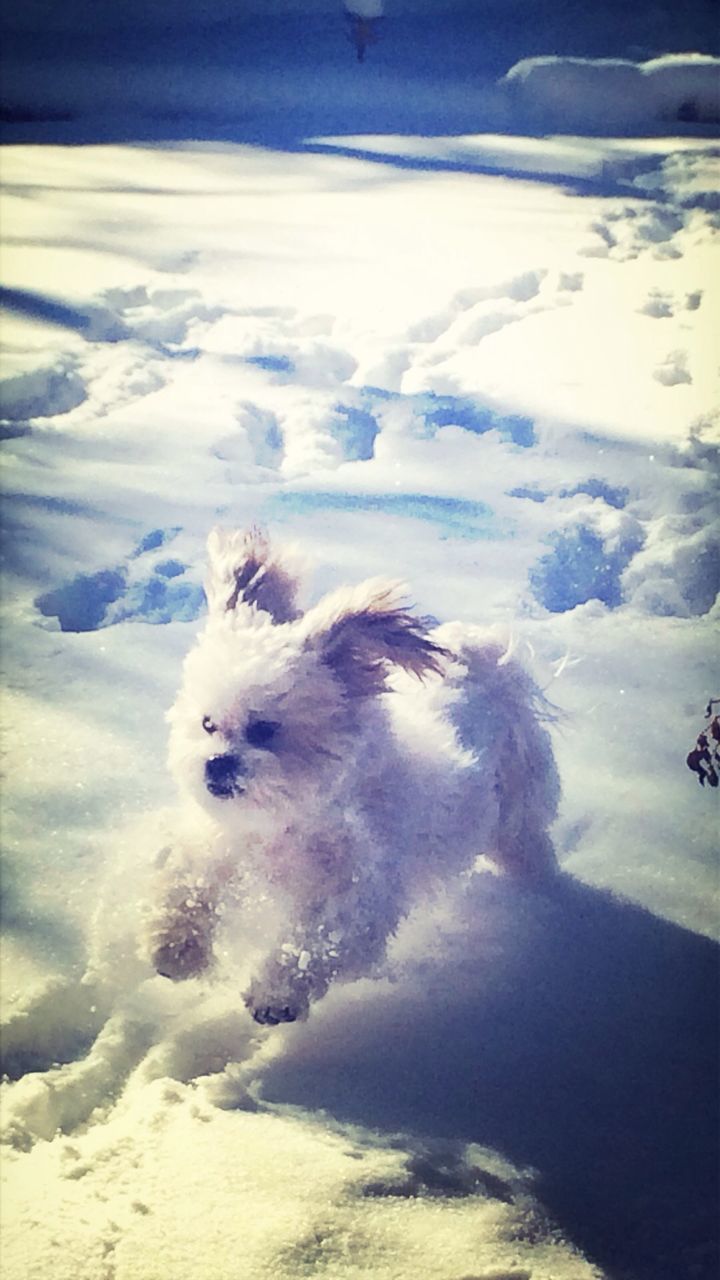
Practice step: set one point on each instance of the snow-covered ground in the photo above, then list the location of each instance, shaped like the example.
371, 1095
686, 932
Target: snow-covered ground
481, 360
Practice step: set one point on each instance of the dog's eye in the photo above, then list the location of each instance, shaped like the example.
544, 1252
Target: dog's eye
208, 725
260, 733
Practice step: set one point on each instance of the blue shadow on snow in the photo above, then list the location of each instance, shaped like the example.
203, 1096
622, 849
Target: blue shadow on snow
454, 517
585, 1046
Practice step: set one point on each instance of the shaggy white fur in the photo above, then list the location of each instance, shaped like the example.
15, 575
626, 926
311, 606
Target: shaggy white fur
345, 759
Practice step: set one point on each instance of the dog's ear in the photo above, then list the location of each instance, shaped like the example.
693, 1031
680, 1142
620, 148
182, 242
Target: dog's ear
363, 633
244, 570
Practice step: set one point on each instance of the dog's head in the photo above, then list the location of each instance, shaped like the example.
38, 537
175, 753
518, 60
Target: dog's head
273, 700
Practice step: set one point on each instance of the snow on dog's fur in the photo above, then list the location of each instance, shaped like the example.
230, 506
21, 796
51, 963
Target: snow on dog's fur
345, 758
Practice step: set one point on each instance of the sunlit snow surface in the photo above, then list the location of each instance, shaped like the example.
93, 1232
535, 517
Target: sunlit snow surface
485, 364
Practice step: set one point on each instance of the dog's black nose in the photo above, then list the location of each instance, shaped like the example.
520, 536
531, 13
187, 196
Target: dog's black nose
222, 774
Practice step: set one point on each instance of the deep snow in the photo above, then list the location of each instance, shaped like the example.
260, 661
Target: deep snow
466, 354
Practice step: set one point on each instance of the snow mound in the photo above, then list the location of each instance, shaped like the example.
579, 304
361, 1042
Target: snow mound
615, 92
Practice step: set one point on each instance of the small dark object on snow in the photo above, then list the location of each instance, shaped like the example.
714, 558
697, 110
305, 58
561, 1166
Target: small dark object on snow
704, 759
362, 32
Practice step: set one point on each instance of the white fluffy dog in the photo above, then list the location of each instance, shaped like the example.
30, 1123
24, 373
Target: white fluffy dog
345, 759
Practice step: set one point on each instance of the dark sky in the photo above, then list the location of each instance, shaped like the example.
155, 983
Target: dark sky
79, 15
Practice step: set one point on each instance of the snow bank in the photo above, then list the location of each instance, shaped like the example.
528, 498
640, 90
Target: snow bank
609, 93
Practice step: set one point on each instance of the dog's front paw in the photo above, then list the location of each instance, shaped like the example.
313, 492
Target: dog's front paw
271, 1003
271, 1015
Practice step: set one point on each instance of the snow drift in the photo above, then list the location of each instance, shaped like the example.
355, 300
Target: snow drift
609, 93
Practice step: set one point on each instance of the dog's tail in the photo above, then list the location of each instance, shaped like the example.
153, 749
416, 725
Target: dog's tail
504, 718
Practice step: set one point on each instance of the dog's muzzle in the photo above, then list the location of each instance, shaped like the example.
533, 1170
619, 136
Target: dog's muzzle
223, 774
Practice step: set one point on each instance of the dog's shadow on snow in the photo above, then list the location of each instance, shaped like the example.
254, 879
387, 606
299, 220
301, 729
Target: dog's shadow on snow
578, 1035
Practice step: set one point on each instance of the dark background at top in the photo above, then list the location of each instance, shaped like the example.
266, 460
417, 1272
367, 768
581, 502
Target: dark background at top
422, 46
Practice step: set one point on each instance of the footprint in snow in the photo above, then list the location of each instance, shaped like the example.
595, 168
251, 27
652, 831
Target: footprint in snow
625, 233
659, 305
148, 587
571, 281
41, 393
673, 371
159, 316
483, 308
